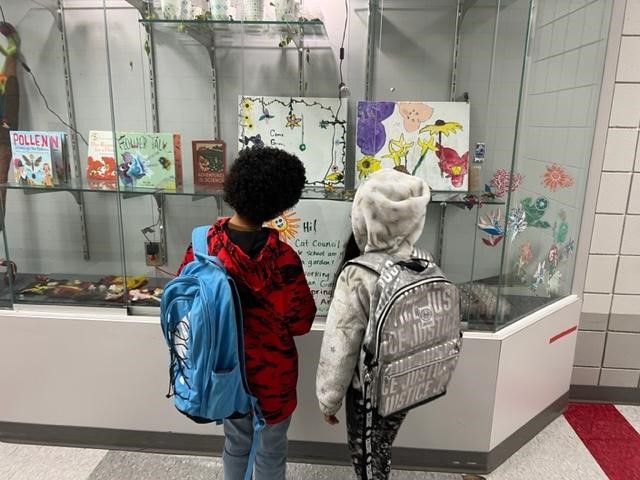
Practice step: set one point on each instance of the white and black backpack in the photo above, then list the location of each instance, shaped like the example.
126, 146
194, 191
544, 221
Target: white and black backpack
412, 341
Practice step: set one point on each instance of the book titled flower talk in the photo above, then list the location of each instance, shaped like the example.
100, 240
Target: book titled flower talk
149, 160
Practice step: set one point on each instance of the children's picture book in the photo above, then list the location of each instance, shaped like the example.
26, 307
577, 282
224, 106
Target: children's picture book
149, 160
59, 158
313, 129
208, 163
101, 162
32, 157
426, 139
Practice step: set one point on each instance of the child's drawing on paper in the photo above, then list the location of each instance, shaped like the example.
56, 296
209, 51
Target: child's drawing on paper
286, 225
426, 139
314, 129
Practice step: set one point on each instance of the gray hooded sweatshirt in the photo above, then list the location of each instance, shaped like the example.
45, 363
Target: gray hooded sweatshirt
387, 216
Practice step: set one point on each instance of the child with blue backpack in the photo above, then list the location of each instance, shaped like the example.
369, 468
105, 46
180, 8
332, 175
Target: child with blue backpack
276, 301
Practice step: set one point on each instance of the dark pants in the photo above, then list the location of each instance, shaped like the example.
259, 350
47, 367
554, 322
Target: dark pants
383, 434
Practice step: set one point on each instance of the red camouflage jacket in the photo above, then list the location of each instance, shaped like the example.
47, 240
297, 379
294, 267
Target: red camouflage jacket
276, 305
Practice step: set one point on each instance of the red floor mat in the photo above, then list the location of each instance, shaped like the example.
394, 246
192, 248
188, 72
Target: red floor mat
610, 438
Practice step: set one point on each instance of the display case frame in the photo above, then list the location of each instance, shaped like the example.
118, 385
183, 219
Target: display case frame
446, 227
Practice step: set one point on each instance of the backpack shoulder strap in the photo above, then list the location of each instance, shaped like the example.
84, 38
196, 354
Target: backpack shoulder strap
371, 261
199, 240
418, 254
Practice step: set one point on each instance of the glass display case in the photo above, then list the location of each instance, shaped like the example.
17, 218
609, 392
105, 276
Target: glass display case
493, 102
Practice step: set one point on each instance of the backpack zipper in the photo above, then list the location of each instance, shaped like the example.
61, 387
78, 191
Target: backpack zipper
390, 303
387, 378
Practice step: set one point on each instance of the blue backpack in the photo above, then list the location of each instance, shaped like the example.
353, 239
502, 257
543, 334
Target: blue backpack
201, 320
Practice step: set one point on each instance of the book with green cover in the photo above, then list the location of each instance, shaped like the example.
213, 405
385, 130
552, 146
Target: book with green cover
148, 160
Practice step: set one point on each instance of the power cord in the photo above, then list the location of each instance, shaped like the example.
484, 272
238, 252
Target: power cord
44, 98
343, 90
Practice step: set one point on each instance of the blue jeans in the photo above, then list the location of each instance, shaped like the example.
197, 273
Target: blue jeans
271, 458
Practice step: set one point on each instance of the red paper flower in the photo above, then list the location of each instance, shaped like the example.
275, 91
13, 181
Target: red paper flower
555, 176
452, 165
502, 180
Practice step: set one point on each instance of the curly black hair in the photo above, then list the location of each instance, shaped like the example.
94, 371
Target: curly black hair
263, 182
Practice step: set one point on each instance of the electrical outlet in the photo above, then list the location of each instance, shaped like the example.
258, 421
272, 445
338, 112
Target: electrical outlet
153, 254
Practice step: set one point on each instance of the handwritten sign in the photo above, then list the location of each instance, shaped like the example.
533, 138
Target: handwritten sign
318, 230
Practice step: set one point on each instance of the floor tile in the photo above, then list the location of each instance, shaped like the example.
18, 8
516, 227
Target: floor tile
632, 414
150, 466
555, 454
35, 462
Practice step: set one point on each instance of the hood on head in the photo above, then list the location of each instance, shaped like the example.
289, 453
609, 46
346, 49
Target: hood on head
389, 211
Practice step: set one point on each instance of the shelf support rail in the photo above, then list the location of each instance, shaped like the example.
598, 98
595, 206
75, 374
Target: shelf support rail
73, 135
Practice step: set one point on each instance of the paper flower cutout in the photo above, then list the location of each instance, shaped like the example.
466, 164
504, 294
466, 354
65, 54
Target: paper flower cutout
539, 276
535, 210
554, 282
503, 181
516, 222
491, 224
560, 230
555, 176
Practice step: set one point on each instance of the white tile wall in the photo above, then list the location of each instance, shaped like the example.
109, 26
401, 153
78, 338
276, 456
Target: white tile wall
631, 236
625, 313
624, 112
634, 198
611, 377
601, 272
585, 376
613, 193
596, 303
627, 276
623, 351
620, 150
607, 233
632, 18
628, 68
589, 349
615, 243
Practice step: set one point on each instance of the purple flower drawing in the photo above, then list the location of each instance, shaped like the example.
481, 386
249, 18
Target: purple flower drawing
371, 135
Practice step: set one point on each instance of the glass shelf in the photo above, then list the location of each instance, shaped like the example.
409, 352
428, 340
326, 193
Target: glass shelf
82, 290
76, 186
445, 197
247, 34
320, 193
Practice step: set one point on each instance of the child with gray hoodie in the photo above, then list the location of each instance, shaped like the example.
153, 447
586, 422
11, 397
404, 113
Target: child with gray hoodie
387, 216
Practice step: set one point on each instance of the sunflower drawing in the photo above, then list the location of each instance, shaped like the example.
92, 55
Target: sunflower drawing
367, 165
286, 225
440, 127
